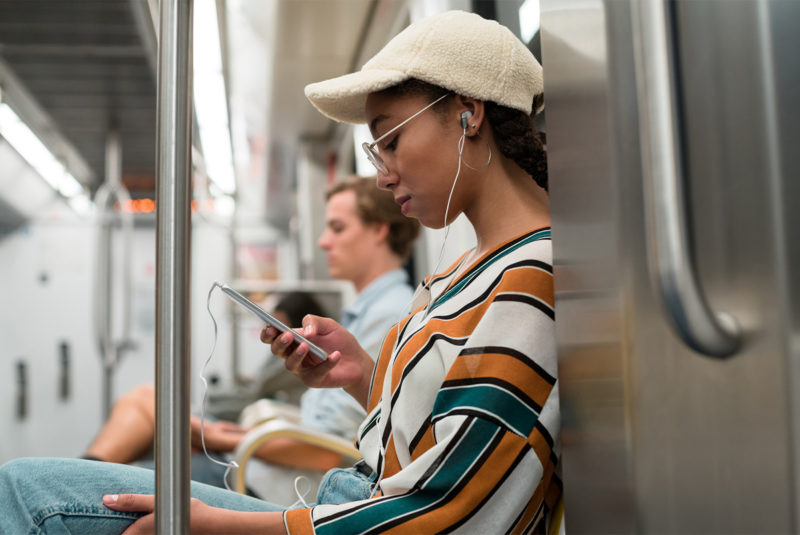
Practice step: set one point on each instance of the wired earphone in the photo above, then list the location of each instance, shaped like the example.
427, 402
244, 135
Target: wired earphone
465, 117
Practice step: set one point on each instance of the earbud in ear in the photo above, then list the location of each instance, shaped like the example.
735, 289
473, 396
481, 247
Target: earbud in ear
464, 118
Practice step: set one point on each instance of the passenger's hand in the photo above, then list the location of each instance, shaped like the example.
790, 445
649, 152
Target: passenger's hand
219, 435
204, 519
347, 366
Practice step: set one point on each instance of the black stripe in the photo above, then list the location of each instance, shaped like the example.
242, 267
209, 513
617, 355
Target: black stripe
489, 259
451, 494
407, 369
523, 452
454, 442
475, 302
372, 423
511, 353
418, 436
483, 415
401, 333
537, 516
443, 276
505, 385
528, 300
517, 520
546, 435
492, 285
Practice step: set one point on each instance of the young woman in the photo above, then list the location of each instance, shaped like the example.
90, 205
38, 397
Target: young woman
463, 421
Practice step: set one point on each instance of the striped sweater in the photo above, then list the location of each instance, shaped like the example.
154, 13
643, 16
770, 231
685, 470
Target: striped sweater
463, 411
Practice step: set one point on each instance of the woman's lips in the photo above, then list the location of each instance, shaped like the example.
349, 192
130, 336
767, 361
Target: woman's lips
403, 202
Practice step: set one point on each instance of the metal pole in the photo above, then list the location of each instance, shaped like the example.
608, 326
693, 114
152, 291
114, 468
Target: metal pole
173, 230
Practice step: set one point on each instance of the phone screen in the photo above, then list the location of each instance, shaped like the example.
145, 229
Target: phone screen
269, 319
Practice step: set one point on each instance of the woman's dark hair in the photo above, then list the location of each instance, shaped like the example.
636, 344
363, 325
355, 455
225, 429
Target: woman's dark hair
514, 130
296, 305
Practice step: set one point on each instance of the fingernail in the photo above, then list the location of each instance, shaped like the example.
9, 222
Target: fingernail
110, 498
307, 330
287, 338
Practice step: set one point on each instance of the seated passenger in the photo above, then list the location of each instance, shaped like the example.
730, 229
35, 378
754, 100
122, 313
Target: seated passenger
367, 241
463, 422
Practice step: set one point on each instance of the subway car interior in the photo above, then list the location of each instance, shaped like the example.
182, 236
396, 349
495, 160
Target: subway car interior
155, 151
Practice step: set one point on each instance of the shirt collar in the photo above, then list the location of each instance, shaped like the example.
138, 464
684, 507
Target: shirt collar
374, 289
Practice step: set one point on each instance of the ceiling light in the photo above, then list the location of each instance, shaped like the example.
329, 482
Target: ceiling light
210, 102
25, 142
528, 19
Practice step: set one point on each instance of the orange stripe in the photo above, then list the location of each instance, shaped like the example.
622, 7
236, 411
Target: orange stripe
552, 495
544, 491
457, 327
520, 280
540, 447
505, 368
533, 505
426, 442
391, 465
298, 522
381, 367
475, 491
528, 280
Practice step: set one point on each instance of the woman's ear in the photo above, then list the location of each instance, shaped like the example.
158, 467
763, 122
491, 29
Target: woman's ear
471, 113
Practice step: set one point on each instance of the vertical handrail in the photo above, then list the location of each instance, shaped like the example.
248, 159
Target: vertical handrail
173, 229
671, 262
111, 342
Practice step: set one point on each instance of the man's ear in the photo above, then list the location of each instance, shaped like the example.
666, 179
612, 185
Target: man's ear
381, 232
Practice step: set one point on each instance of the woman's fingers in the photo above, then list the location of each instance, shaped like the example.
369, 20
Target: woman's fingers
141, 503
268, 334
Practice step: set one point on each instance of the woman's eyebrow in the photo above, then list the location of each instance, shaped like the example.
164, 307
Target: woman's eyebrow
374, 122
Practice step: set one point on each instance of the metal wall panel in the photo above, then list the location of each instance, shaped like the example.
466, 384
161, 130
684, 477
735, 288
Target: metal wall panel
656, 437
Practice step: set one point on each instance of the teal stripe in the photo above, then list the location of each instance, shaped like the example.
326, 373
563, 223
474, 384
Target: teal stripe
490, 399
469, 448
541, 235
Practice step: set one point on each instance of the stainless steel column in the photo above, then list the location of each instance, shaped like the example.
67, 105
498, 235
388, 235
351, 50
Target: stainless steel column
173, 263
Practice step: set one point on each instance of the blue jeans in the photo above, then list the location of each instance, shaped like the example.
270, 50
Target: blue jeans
61, 496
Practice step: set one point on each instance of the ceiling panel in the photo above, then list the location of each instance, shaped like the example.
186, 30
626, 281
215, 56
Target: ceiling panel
84, 63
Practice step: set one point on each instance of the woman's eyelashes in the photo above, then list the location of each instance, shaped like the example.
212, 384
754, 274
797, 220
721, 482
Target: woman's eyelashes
391, 145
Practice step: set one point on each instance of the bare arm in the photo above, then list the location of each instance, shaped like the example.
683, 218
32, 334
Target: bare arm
205, 520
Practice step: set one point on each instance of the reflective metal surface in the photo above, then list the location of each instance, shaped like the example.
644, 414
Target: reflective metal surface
656, 438
709, 333
173, 233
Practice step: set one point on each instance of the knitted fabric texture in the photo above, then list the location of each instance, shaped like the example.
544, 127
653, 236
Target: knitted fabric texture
456, 50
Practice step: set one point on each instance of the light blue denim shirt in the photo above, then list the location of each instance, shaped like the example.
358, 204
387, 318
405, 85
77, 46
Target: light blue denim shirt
384, 302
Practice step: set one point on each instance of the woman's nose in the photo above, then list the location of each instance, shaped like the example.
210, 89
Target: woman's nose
387, 180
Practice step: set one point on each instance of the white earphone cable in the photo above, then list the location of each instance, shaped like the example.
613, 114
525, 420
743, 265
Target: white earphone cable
461, 142
231, 464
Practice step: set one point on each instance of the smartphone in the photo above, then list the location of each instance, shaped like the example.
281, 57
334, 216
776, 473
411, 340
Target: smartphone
269, 319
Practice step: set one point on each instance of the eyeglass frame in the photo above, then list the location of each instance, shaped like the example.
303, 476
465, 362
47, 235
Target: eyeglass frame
374, 157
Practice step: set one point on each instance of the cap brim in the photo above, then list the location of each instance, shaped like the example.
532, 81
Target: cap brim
343, 98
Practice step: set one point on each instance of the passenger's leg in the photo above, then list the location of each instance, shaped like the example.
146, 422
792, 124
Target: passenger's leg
204, 470
129, 432
65, 496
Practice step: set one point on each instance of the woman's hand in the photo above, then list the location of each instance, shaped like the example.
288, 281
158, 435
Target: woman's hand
204, 519
347, 365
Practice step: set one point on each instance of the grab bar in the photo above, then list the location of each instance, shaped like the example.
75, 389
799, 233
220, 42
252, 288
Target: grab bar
173, 235
111, 344
671, 262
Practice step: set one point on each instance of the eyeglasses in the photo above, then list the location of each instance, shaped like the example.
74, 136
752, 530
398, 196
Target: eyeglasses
372, 153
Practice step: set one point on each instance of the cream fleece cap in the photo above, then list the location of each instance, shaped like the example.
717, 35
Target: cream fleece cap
459, 51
